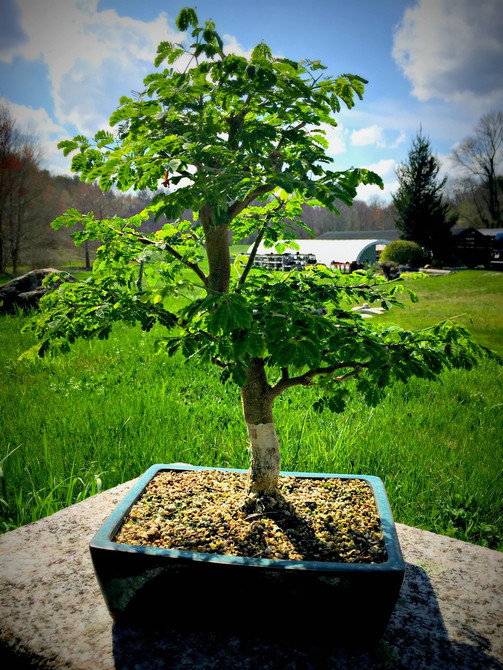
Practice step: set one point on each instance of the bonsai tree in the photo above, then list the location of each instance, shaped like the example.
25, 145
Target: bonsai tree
240, 144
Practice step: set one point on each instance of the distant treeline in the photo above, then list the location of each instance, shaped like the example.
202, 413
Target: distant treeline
31, 197
29, 241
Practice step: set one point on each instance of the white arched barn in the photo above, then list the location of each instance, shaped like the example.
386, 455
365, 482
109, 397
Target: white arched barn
332, 252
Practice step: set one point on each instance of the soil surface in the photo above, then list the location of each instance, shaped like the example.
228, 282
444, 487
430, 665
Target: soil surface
207, 511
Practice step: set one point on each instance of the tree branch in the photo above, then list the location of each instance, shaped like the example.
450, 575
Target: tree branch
219, 363
307, 378
173, 252
253, 253
256, 244
235, 122
238, 206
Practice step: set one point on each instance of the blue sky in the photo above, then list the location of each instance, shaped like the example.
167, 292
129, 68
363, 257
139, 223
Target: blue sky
433, 63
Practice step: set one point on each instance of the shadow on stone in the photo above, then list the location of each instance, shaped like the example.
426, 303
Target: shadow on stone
416, 637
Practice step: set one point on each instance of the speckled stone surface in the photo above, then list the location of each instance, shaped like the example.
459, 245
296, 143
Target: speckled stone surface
52, 615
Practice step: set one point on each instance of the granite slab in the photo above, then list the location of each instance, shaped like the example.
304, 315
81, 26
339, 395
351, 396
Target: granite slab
52, 615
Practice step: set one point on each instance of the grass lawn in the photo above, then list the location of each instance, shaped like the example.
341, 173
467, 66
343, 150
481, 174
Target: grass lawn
474, 297
104, 413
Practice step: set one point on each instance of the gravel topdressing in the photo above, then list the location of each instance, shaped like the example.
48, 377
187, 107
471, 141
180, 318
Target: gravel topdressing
329, 519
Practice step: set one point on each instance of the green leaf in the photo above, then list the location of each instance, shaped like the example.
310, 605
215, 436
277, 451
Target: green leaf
31, 354
231, 313
68, 146
413, 296
238, 374
336, 402
186, 18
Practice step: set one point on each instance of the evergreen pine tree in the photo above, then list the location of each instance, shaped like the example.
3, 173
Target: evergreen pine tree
422, 217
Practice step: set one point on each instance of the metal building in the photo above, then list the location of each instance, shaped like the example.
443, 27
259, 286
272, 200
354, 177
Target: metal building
326, 252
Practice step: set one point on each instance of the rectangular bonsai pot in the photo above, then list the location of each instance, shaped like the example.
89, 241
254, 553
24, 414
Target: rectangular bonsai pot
350, 601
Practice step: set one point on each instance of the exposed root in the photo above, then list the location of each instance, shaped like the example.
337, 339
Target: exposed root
262, 504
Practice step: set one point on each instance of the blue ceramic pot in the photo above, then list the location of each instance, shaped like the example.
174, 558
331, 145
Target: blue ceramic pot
350, 601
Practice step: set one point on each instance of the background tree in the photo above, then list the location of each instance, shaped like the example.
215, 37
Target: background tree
19, 189
223, 132
403, 252
481, 156
422, 216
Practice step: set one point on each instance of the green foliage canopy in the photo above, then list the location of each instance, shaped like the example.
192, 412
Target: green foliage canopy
241, 144
224, 130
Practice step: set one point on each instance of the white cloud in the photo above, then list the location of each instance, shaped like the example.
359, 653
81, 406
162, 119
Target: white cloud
383, 167
450, 168
93, 56
372, 192
28, 118
232, 46
335, 138
370, 135
452, 49
11, 32
374, 135
399, 140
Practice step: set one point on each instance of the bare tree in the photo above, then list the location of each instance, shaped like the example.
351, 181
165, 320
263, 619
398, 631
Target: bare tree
481, 156
91, 198
19, 190
7, 139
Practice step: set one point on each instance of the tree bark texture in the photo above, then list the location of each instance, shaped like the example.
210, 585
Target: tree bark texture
256, 395
257, 401
217, 248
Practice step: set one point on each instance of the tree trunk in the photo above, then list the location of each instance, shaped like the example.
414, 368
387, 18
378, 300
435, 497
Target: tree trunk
256, 394
494, 207
217, 248
88, 258
257, 401
14, 260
